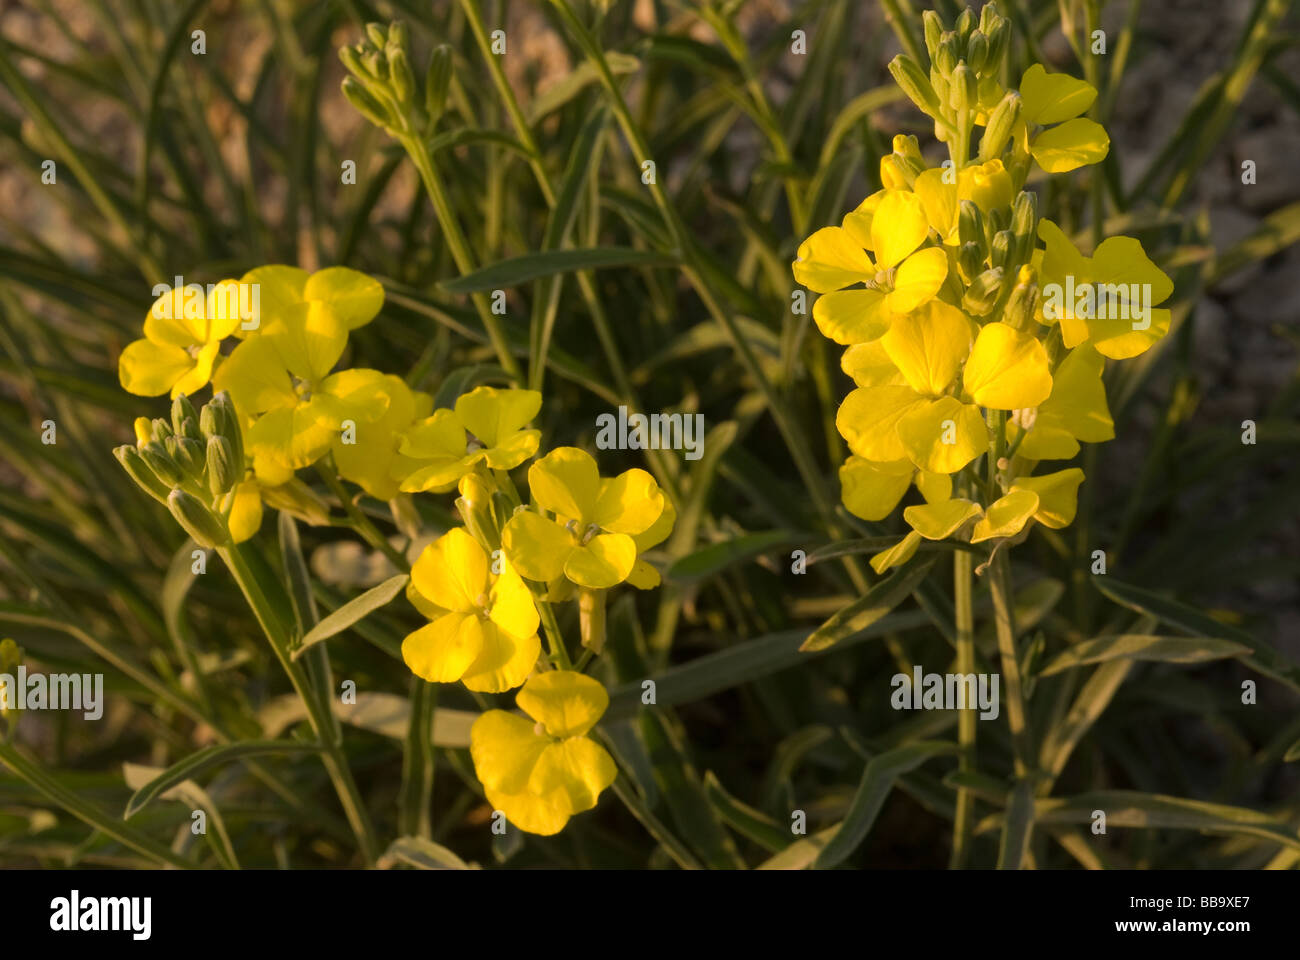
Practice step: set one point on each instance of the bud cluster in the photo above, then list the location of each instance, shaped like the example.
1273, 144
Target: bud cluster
383, 87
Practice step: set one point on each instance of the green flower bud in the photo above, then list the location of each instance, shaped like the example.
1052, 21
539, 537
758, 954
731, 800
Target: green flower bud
989, 16
933, 31
398, 34
366, 103
436, 81
946, 59
138, 470
199, 521
399, 72
964, 26
190, 455
164, 467
1024, 224
161, 430
182, 409
1022, 305
377, 35
352, 61
1000, 249
908, 147
221, 466
982, 295
908, 75
1001, 124
970, 224
999, 33
970, 261
965, 90
977, 51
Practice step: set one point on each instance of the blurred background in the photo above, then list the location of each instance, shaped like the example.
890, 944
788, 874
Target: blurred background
169, 161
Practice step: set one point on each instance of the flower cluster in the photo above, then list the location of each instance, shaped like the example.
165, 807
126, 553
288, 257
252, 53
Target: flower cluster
283, 403
959, 339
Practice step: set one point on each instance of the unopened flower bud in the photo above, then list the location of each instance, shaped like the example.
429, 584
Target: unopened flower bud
964, 26
909, 76
160, 430
982, 295
221, 466
970, 261
377, 35
1002, 122
197, 518
591, 618
138, 470
164, 467
933, 31
977, 51
965, 90
366, 103
1000, 249
191, 456
436, 81
946, 59
182, 409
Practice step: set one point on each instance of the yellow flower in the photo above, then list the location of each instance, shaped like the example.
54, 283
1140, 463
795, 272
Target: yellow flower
920, 420
590, 541
484, 624
368, 455
643, 575
281, 377
987, 185
353, 298
182, 337
1076, 410
485, 427
1051, 99
872, 490
1102, 298
542, 771
892, 223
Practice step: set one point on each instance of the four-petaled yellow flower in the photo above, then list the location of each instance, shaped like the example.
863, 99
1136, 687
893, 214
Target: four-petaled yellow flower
590, 541
484, 622
486, 426
182, 339
541, 771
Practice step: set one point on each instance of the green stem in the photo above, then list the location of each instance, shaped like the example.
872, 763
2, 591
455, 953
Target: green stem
414, 815
967, 721
318, 714
358, 521
1000, 587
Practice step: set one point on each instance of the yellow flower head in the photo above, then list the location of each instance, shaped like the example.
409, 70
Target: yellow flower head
483, 628
368, 453
1109, 298
281, 377
892, 224
1058, 99
354, 299
590, 541
182, 337
541, 771
486, 426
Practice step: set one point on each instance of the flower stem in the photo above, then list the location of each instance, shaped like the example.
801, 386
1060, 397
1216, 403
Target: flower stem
966, 719
358, 521
1000, 586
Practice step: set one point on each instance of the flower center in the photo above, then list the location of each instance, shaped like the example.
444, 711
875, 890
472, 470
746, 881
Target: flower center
590, 533
472, 443
302, 388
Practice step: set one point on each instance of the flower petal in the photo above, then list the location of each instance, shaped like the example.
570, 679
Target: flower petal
898, 227
918, 279
493, 415
870, 492
566, 703
1007, 369
869, 366
245, 511
851, 316
898, 554
868, 420
938, 521
1053, 97
148, 369
452, 571
578, 768
255, 377
504, 660
929, 345
309, 338
512, 606
1058, 496
277, 288
354, 297
566, 481
1006, 516
1075, 143
943, 436
537, 546
505, 750
628, 503
439, 652
830, 260
604, 562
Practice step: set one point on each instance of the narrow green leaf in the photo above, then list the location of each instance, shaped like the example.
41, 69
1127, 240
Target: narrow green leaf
744, 819
1018, 827
717, 557
530, 266
352, 611
1138, 646
868, 608
877, 781
422, 854
197, 763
